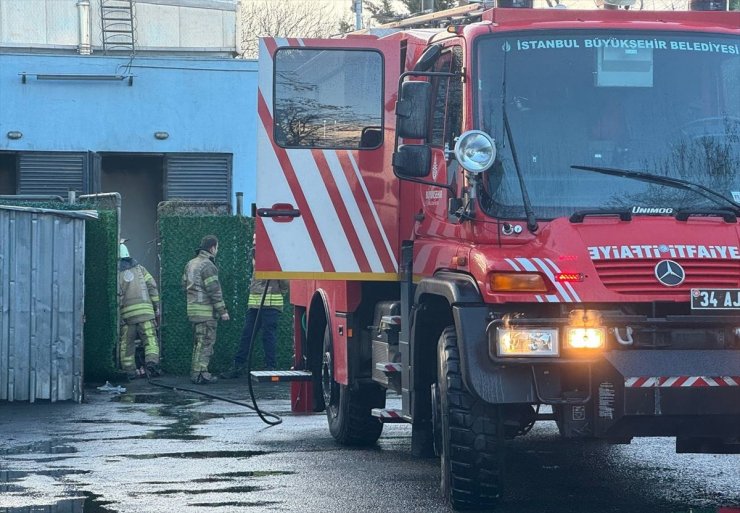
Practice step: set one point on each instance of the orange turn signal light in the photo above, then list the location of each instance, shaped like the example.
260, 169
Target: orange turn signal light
518, 282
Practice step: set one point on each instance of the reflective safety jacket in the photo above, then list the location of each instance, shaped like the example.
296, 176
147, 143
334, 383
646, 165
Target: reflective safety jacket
274, 296
203, 290
139, 297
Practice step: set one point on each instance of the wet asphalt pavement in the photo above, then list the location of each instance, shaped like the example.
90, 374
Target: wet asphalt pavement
154, 450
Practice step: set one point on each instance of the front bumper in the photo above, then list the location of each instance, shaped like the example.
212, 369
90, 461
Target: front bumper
620, 393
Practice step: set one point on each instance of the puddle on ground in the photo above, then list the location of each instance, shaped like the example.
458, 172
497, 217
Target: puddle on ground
230, 476
185, 422
8, 476
256, 504
172, 406
190, 491
46, 447
155, 398
88, 503
109, 421
196, 455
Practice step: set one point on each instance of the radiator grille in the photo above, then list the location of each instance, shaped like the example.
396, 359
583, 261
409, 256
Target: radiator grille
637, 276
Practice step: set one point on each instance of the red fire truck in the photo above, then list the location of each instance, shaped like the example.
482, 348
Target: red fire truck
514, 215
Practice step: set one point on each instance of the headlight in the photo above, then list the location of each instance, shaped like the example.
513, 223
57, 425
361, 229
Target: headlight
585, 338
475, 151
526, 342
585, 330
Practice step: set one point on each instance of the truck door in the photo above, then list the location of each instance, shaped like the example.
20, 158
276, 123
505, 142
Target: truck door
326, 201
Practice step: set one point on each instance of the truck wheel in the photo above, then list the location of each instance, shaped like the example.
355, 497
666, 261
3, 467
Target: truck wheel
469, 444
348, 409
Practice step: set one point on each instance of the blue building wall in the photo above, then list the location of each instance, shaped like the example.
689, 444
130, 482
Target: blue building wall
206, 105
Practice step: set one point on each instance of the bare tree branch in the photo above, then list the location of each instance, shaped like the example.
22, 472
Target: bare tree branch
259, 18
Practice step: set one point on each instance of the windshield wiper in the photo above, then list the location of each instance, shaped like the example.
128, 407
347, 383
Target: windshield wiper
528, 210
677, 183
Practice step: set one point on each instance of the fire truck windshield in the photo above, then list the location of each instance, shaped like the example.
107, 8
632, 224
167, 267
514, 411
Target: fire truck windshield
660, 103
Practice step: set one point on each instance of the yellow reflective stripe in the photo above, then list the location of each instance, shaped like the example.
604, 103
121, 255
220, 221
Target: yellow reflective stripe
219, 305
134, 309
200, 309
210, 280
280, 275
270, 300
155, 299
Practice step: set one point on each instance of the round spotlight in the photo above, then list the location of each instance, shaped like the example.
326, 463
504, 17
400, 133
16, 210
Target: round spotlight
475, 151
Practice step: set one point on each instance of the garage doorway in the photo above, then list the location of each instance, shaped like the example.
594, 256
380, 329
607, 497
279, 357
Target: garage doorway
140, 181
8, 174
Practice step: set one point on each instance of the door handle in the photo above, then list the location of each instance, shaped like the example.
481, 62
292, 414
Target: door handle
280, 212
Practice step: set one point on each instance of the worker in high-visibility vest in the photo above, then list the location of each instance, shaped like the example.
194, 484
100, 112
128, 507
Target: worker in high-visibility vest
205, 304
139, 308
267, 322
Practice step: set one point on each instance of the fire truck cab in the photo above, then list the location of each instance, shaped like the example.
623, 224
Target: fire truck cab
520, 210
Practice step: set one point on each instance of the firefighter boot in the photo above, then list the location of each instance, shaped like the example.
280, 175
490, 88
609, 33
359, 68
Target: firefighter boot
204, 378
236, 371
153, 370
131, 374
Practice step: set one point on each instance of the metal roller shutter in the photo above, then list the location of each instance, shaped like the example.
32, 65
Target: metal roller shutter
198, 177
52, 173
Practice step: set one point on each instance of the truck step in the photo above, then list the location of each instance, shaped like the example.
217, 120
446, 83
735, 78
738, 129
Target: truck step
389, 366
388, 416
280, 376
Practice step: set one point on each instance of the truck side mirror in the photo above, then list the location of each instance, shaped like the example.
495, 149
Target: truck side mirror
412, 110
412, 161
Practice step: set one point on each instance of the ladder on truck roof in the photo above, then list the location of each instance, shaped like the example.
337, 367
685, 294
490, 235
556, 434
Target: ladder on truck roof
456, 16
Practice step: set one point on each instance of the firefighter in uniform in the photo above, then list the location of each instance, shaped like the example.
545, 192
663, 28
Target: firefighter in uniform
268, 321
205, 304
139, 300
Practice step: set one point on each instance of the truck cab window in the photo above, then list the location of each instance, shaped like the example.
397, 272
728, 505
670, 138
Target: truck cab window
328, 98
447, 113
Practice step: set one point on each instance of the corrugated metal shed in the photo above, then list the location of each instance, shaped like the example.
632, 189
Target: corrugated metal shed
42, 271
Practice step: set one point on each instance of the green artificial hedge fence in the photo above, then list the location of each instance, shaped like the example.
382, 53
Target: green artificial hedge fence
180, 235
101, 297
181, 230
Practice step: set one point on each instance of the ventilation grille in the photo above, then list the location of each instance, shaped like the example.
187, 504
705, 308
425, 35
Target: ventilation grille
637, 276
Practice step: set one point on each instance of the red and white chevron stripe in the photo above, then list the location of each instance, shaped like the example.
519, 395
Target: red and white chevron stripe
682, 381
565, 293
389, 367
386, 414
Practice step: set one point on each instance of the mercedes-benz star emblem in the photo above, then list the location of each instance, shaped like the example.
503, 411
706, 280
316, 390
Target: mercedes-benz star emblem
669, 273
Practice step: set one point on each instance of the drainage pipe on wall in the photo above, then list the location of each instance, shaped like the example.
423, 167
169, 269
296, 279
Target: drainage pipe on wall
85, 46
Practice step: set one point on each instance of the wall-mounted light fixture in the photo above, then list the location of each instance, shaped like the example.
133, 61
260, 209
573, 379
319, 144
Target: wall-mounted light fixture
77, 76
14, 134
161, 135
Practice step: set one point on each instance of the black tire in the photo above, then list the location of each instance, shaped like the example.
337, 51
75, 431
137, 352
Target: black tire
348, 409
470, 449
316, 366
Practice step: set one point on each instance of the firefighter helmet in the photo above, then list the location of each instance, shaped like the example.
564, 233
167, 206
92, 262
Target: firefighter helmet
123, 251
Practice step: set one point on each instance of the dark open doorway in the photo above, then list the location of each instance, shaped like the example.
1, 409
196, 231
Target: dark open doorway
8, 173
139, 179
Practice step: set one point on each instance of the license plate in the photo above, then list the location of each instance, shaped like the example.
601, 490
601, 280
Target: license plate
715, 299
